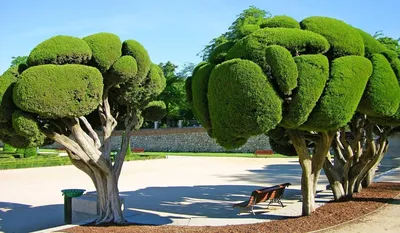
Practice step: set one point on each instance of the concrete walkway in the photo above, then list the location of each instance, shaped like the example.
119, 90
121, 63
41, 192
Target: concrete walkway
185, 191
385, 219
177, 190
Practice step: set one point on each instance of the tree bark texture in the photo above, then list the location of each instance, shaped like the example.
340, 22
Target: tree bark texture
311, 165
356, 157
90, 156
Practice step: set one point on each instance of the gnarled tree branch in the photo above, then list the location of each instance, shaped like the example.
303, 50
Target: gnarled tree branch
93, 134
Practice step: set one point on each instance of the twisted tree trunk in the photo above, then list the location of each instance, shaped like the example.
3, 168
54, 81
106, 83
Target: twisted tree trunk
311, 165
353, 165
90, 156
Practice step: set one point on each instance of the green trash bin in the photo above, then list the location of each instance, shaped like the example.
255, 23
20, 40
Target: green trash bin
68, 195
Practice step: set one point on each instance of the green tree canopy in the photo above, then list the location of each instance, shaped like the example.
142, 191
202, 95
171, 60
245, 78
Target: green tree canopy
71, 85
174, 96
246, 22
308, 78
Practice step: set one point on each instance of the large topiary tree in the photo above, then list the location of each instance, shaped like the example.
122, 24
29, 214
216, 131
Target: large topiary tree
304, 79
72, 86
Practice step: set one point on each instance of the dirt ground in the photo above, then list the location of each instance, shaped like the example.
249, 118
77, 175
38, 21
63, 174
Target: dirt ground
380, 199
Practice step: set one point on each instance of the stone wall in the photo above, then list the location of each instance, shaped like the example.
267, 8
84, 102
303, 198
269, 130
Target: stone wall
191, 142
180, 140
183, 140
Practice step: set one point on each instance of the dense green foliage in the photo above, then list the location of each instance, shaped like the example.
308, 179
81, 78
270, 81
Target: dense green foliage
348, 78
371, 45
154, 111
388, 121
174, 96
30, 152
106, 49
218, 55
8, 148
343, 38
388, 42
7, 81
242, 102
317, 69
283, 68
247, 30
59, 91
280, 142
141, 95
246, 22
313, 74
280, 21
26, 125
199, 99
297, 41
382, 95
60, 50
391, 56
188, 90
19, 60
123, 70
136, 50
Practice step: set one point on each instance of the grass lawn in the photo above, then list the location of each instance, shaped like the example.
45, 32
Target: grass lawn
219, 154
50, 157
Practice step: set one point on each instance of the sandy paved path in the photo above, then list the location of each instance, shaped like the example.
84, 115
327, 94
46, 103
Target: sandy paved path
386, 219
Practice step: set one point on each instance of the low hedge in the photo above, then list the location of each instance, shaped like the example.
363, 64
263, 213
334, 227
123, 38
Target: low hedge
39, 161
9, 162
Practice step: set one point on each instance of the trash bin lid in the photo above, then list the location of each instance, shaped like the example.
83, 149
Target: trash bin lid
73, 192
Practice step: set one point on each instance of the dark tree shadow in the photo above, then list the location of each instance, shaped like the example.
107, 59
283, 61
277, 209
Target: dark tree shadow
392, 157
151, 205
15, 217
211, 201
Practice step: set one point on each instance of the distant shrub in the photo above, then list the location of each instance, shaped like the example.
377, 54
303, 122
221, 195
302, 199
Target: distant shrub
8, 148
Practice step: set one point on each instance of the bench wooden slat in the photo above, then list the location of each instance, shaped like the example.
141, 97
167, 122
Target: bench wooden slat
137, 150
272, 194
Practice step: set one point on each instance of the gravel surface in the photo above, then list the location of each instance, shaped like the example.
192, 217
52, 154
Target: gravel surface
330, 214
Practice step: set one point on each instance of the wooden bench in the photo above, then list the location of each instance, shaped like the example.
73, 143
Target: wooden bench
271, 194
264, 152
137, 150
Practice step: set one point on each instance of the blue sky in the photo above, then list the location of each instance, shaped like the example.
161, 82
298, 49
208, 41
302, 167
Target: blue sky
173, 30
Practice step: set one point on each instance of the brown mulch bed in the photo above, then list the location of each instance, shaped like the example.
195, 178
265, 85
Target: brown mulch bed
330, 214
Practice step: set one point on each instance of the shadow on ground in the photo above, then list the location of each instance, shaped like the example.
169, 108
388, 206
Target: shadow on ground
193, 201
211, 201
20, 218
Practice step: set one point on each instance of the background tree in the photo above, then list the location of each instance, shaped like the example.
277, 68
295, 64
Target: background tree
174, 95
68, 78
249, 20
18, 60
304, 77
388, 42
